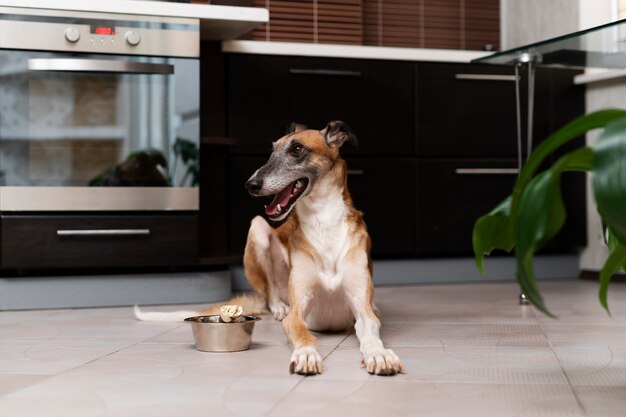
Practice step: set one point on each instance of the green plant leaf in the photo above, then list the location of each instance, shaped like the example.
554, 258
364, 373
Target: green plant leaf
541, 216
559, 138
492, 231
609, 177
495, 229
614, 262
186, 149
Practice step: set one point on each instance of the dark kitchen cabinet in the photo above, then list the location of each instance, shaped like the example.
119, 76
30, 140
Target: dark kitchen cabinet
384, 190
438, 142
452, 194
469, 110
467, 150
375, 98
100, 240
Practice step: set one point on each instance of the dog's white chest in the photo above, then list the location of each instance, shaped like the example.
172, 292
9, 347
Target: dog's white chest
330, 240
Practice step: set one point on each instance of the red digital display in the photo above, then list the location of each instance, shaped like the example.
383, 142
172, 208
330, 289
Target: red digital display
103, 30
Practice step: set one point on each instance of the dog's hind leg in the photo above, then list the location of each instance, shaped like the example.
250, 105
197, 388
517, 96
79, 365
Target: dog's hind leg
267, 267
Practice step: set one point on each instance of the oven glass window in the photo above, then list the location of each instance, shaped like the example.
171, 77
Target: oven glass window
120, 125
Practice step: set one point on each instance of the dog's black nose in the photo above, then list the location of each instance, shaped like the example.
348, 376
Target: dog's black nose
254, 186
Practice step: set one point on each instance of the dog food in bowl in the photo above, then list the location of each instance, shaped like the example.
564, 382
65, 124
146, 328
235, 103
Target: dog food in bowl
211, 334
231, 313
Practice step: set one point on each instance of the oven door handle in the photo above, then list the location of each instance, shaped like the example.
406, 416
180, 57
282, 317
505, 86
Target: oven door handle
98, 65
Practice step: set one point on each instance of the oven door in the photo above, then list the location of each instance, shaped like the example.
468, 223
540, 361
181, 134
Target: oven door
98, 132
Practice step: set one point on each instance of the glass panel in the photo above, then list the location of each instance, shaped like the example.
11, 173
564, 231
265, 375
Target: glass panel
98, 129
600, 47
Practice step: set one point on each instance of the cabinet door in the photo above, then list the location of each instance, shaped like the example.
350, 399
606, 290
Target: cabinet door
383, 189
267, 93
452, 195
469, 110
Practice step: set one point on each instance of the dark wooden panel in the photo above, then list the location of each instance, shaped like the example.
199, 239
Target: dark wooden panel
213, 239
312, 21
449, 203
384, 190
451, 24
31, 241
268, 92
461, 117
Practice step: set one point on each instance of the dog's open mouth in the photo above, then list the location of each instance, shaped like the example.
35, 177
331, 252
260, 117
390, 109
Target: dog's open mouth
283, 201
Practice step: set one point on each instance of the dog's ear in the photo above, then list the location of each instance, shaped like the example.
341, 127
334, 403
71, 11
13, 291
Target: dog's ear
295, 127
337, 133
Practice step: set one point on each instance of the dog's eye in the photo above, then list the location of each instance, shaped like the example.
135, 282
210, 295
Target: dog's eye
296, 149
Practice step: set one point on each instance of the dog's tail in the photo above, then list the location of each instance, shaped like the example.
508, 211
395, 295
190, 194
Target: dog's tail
252, 304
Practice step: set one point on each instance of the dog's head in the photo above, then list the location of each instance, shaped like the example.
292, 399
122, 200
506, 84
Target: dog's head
297, 161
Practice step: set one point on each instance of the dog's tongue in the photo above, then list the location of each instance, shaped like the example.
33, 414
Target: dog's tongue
281, 198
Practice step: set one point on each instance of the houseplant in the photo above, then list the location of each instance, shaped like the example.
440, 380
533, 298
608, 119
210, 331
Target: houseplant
534, 212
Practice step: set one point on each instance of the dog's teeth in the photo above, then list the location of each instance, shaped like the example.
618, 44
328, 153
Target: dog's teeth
278, 208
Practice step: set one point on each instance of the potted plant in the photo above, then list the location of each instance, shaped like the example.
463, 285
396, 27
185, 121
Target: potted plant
534, 212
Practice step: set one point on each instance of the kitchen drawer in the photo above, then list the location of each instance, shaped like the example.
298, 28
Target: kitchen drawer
453, 194
384, 189
81, 241
469, 110
267, 93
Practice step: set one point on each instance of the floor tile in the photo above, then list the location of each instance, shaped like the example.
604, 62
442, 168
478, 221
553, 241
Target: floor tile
602, 401
375, 398
468, 350
599, 366
461, 365
459, 334
10, 383
122, 395
53, 357
171, 360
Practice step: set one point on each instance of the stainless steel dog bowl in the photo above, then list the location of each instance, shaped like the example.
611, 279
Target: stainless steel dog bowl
211, 335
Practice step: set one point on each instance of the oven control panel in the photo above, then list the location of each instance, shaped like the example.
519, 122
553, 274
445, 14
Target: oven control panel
108, 34
104, 36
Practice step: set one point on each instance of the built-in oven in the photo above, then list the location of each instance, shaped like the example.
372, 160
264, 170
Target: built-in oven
98, 112
99, 140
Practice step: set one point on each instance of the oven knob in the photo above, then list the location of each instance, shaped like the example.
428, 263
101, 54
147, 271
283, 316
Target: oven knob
132, 38
72, 34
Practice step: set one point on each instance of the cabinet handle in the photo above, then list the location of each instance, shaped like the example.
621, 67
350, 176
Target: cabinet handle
356, 172
104, 232
485, 77
486, 171
325, 72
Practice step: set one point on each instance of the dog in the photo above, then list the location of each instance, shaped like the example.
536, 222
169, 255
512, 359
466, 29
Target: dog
313, 270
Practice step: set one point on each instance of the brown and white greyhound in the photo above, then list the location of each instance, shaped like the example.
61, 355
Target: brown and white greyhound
314, 270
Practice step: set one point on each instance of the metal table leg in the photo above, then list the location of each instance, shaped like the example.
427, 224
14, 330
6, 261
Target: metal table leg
528, 60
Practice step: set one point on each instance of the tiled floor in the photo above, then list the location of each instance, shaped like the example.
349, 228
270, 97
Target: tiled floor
469, 350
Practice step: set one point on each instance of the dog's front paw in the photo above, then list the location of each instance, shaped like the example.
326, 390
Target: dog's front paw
279, 310
306, 361
382, 362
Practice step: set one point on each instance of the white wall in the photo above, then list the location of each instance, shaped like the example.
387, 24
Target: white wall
527, 21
